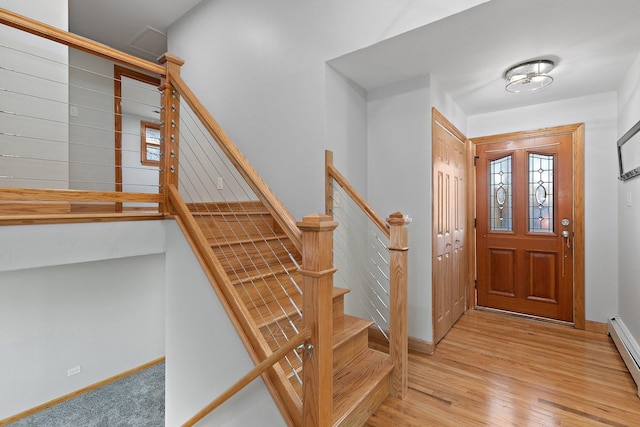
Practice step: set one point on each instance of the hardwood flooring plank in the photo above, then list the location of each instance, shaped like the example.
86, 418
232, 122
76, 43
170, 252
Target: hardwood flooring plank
493, 369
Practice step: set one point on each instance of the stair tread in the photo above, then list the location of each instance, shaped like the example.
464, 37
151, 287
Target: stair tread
282, 307
351, 326
235, 241
363, 375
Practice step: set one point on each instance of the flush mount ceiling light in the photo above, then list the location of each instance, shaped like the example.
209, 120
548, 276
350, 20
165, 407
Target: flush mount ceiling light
528, 76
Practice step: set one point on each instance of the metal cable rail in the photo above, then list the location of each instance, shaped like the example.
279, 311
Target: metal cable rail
258, 259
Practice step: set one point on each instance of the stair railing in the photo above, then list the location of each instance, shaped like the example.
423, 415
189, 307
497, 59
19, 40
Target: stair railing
195, 157
371, 260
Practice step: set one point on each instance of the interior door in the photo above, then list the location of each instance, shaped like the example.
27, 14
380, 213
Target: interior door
450, 262
524, 191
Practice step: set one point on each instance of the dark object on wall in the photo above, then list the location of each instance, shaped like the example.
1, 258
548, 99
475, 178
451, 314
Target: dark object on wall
629, 153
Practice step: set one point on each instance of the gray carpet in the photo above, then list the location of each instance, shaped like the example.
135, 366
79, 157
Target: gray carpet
136, 400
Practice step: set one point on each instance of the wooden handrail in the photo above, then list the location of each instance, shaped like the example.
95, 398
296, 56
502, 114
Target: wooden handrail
49, 32
264, 193
30, 194
332, 172
249, 377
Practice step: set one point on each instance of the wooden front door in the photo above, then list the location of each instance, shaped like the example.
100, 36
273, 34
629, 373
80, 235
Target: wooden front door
450, 262
525, 225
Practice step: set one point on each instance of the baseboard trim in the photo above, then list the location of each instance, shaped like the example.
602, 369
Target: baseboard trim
415, 345
597, 327
627, 347
77, 393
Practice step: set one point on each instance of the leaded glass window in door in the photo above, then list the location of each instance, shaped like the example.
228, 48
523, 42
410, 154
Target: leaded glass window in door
501, 194
541, 193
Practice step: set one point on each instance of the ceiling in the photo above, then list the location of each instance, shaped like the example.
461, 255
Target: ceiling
140, 31
592, 42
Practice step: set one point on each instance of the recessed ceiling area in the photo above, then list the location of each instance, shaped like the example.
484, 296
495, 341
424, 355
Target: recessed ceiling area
137, 27
592, 43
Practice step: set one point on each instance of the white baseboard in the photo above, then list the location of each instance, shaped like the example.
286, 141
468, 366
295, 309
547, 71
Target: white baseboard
627, 347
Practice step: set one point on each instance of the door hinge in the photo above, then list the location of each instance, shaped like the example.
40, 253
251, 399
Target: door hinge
475, 160
475, 222
475, 284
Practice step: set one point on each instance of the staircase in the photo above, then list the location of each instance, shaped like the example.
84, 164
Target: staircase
262, 265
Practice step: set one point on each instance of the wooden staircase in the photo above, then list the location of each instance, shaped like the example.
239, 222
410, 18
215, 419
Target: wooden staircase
262, 265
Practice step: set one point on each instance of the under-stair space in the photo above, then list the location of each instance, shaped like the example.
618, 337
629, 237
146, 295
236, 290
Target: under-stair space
262, 264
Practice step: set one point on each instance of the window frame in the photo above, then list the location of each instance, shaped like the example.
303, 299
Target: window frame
144, 143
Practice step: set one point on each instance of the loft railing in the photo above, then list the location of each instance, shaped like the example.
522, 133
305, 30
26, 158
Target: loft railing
371, 260
70, 126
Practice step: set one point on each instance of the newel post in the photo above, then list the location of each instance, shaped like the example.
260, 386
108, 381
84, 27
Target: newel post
170, 122
317, 275
398, 323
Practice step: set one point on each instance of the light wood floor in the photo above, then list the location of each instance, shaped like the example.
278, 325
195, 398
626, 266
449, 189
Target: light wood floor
500, 370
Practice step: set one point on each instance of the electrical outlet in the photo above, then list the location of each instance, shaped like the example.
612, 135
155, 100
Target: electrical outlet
220, 183
336, 199
73, 111
74, 371
629, 199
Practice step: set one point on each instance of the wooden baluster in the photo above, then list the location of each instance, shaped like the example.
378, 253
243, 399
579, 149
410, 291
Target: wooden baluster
317, 272
170, 117
398, 338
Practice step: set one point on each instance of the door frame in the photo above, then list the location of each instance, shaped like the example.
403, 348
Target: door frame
118, 73
577, 146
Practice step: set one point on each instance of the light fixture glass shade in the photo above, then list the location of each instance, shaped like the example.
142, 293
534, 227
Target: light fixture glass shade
528, 76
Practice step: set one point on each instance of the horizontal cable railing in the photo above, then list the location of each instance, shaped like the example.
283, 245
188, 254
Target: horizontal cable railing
68, 122
371, 258
259, 258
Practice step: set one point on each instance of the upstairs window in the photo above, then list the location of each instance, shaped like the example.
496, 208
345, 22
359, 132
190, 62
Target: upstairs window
150, 143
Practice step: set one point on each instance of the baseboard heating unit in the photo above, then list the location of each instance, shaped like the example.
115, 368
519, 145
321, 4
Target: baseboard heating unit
627, 347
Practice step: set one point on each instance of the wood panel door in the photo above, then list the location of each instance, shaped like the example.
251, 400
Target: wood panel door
450, 265
524, 191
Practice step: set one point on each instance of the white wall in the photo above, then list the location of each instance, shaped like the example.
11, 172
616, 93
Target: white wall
263, 75
37, 97
89, 295
399, 179
598, 112
628, 216
204, 353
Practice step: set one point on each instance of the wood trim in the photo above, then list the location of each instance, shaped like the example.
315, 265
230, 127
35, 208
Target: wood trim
360, 201
29, 194
249, 377
34, 208
79, 392
415, 345
579, 313
597, 327
577, 132
118, 73
143, 143
264, 193
255, 343
76, 218
57, 35
328, 187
